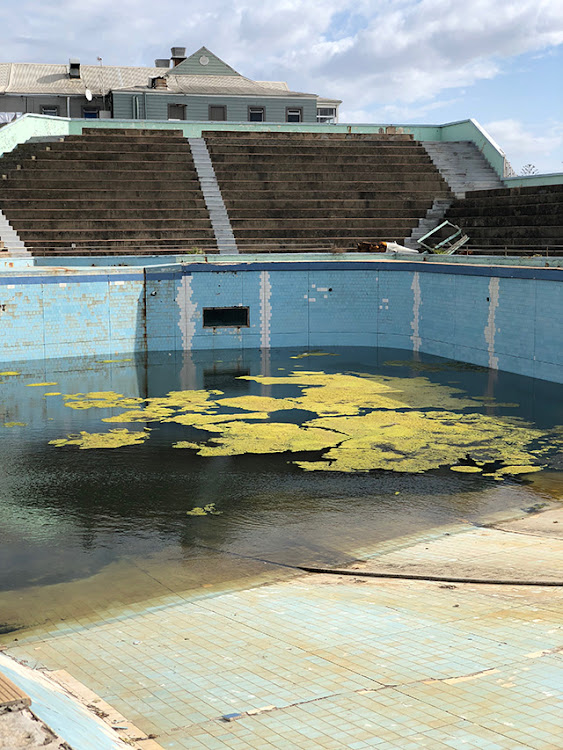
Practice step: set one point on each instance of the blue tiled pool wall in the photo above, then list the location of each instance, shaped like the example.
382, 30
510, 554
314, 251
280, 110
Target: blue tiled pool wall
499, 317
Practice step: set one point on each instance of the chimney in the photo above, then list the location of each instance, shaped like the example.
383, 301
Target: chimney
178, 55
74, 68
162, 63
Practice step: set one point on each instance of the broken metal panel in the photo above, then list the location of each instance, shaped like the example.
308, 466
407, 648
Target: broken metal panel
444, 241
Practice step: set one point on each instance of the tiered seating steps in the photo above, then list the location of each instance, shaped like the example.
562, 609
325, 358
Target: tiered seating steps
289, 191
521, 220
106, 192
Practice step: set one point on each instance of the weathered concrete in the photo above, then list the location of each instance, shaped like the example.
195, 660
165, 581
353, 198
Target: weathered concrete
21, 730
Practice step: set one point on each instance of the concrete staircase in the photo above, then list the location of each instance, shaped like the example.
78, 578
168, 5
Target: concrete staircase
213, 199
463, 166
107, 191
521, 220
304, 191
433, 217
10, 241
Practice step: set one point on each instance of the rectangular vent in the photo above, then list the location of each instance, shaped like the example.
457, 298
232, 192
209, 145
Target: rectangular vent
223, 317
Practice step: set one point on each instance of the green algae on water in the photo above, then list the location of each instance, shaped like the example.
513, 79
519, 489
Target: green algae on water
363, 423
206, 510
111, 439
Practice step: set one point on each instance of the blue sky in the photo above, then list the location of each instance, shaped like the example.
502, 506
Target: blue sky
390, 61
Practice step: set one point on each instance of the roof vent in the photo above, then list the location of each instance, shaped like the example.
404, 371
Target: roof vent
178, 55
159, 82
162, 63
74, 68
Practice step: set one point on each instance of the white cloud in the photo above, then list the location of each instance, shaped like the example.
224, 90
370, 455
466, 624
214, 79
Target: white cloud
525, 145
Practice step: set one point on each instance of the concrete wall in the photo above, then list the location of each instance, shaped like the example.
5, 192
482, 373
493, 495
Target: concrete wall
553, 178
500, 317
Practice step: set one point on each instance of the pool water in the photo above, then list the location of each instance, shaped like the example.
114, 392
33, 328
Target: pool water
86, 531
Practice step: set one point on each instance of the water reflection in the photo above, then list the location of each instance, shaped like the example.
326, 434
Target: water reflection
115, 523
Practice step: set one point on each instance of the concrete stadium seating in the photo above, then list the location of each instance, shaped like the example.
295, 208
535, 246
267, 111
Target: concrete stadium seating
512, 220
135, 191
297, 191
106, 191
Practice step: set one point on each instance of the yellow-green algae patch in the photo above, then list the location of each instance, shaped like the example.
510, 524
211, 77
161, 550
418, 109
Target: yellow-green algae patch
111, 439
518, 469
364, 422
261, 403
206, 510
52, 393
36, 385
8, 374
314, 354
15, 424
415, 441
162, 408
215, 422
237, 438
100, 400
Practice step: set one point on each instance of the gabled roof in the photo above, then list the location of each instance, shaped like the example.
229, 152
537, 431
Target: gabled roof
201, 73
203, 63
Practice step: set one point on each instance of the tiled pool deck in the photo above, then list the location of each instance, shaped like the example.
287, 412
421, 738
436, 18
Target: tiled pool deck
321, 661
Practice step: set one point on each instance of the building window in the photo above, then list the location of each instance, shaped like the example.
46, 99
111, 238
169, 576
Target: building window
90, 113
294, 114
222, 317
176, 111
50, 109
217, 113
256, 114
326, 114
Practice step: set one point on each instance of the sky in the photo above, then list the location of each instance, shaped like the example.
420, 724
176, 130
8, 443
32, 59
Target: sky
390, 61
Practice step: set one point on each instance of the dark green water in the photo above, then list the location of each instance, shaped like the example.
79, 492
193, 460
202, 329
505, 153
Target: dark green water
81, 530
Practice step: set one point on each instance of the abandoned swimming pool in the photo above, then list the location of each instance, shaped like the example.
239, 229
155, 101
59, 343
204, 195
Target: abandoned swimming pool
123, 478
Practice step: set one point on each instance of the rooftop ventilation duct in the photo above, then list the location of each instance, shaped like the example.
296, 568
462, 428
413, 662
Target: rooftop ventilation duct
178, 55
159, 82
74, 68
162, 63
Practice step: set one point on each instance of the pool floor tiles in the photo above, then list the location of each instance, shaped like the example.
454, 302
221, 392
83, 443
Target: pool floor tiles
322, 662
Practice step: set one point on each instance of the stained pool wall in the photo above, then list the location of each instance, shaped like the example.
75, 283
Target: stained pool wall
505, 318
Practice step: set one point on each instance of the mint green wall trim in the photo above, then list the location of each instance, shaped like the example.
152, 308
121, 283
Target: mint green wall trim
31, 126
470, 130
553, 178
